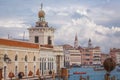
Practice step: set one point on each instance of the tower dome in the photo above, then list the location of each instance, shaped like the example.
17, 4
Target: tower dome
41, 13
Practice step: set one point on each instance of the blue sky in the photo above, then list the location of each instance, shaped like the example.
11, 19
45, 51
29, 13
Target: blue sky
95, 19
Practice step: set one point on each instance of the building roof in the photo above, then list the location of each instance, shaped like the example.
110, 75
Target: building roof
67, 46
47, 46
14, 43
114, 50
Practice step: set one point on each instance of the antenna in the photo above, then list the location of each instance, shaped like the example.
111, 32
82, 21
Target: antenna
8, 36
23, 35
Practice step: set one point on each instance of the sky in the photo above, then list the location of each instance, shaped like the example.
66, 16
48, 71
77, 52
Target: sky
98, 20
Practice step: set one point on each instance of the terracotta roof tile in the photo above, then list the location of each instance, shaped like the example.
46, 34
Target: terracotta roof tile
8, 42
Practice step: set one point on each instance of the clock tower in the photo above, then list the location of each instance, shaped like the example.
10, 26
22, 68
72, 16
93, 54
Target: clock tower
41, 33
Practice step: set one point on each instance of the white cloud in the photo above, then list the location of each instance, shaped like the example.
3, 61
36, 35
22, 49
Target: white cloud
103, 15
62, 14
85, 26
14, 28
86, 29
13, 23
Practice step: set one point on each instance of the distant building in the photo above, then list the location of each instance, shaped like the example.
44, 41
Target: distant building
86, 56
103, 57
66, 58
75, 57
96, 56
115, 55
72, 55
90, 55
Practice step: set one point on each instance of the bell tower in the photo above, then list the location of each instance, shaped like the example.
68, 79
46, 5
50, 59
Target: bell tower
89, 43
76, 42
41, 33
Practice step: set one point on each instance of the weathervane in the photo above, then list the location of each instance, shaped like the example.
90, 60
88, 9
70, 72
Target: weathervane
41, 6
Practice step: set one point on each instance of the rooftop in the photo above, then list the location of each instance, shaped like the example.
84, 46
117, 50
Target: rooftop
16, 43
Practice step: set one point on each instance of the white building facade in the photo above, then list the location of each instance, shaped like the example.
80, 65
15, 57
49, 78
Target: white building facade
43, 34
75, 57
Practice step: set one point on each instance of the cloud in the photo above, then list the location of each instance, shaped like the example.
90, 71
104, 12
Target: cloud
86, 28
13, 23
14, 28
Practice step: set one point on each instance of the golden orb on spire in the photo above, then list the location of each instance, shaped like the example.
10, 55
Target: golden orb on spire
41, 13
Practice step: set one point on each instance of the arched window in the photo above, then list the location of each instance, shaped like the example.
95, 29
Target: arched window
16, 57
26, 58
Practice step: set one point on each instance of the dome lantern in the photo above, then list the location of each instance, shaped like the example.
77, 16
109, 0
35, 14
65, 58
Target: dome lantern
41, 13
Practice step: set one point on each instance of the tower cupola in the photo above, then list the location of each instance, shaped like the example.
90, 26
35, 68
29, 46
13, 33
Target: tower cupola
41, 13
41, 33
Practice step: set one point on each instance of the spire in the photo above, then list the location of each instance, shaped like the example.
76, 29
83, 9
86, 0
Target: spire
76, 42
76, 39
89, 43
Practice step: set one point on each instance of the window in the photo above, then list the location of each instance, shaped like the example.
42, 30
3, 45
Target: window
16, 70
16, 57
5, 57
34, 68
25, 70
26, 58
40, 65
5, 73
36, 39
44, 65
52, 65
48, 66
34, 58
49, 40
